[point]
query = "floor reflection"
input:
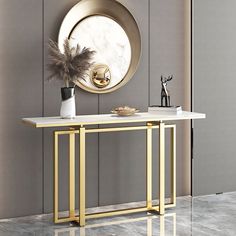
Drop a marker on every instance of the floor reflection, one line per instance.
(206, 215)
(113, 226)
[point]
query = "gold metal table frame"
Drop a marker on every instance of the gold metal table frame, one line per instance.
(82, 131)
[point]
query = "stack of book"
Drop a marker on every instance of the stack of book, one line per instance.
(172, 110)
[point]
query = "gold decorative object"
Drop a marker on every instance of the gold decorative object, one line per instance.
(125, 111)
(100, 75)
(110, 29)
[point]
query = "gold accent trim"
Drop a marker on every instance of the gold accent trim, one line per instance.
(91, 123)
(117, 12)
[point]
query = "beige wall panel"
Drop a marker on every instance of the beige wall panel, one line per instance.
(214, 94)
(20, 96)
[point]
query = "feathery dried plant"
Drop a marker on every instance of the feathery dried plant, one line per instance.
(71, 65)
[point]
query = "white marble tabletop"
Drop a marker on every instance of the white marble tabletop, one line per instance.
(41, 122)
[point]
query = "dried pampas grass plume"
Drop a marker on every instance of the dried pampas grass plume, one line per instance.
(71, 65)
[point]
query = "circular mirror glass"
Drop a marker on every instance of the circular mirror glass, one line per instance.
(113, 50)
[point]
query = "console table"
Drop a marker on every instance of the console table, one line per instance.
(80, 126)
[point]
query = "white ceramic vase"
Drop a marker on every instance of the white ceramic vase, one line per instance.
(68, 110)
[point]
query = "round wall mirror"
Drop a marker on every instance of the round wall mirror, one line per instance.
(107, 27)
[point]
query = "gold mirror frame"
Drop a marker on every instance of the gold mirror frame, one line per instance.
(117, 12)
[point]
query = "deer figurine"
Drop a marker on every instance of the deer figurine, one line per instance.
(164, 91)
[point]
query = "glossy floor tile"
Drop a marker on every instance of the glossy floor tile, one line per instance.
(208, 215)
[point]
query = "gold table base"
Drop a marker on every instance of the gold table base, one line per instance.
(82, 131)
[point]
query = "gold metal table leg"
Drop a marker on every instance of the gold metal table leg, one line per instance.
(72, 175)
(82, 178)
(173, 165)
(55, 182)
(162, 169)
(149, 167)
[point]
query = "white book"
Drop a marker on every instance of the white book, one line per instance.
(165, 110)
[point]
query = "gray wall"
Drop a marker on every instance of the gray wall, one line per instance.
(21, 169)
(214, 93)
(115, 162)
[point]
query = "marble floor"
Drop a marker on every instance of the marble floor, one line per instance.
(207, 215)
